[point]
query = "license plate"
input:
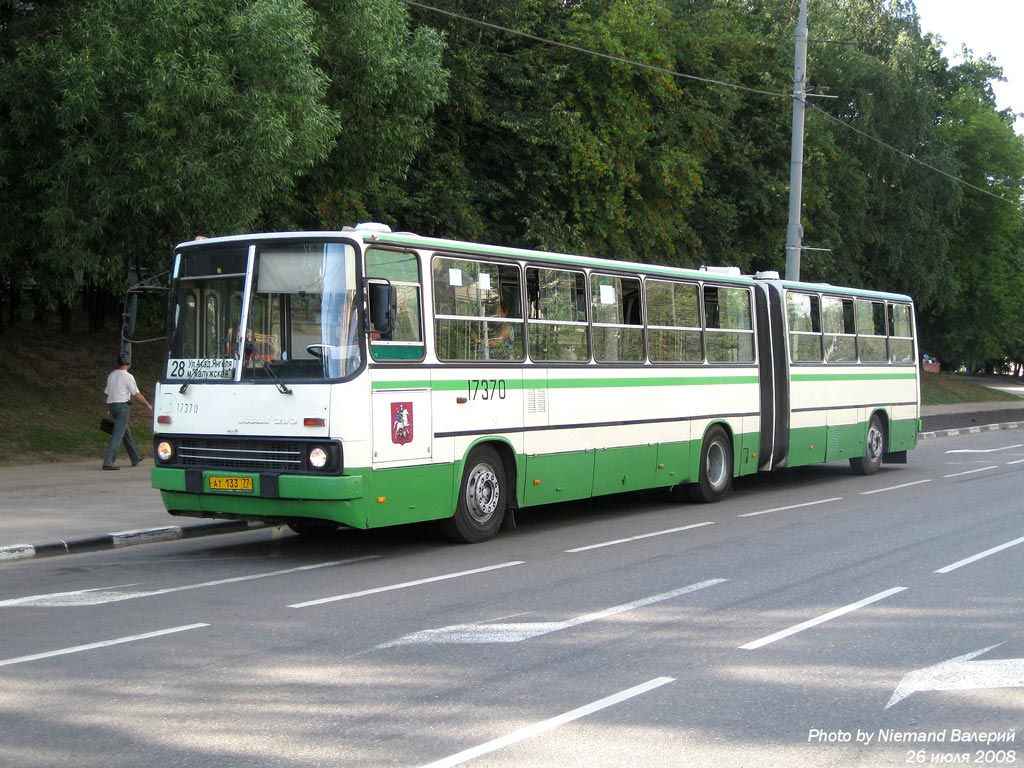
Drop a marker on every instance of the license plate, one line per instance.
(231, 484)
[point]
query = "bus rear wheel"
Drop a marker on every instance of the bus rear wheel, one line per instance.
(483, 497)
(874, 449)
(714, 478)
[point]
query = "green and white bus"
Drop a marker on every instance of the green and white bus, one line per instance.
(369, 378)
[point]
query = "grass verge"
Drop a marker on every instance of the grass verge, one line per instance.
(952, 388)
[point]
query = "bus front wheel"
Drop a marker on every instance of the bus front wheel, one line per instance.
(714, 478)
(874, 449)
(483, 497)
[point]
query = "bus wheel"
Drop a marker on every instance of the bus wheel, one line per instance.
(482, 499)
(715, 475)
(874, 447)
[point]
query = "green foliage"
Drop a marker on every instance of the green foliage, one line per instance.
(984, 320)
(493, 157)
(385, 79)
(138, 124)
(635, 140)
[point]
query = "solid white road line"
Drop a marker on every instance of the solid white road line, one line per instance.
(391, 587)
(103, 644)
(792, 506)
(894, 487)
(987, 450)
(820, 619)
(980, 555)
(971, 471)
(547, 725)
(637, 538)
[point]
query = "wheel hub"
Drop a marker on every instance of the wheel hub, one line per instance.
(482, 494)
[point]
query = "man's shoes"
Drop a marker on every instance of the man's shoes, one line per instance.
(136, 463)
(110, 466)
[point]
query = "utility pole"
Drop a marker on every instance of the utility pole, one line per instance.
(794, 231)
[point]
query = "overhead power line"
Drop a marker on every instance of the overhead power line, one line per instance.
(708, 80)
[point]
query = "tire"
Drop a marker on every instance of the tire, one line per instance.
(483, 498)
(313, 529)
(874, 449)
(714, 478)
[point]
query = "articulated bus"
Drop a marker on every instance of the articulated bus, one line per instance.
(368, 378)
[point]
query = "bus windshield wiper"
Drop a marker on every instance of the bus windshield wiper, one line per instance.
(281, 386)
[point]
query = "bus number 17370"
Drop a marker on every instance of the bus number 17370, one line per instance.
(485, 389)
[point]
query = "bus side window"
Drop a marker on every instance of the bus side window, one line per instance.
(615, 310)
(673, 322)
(556, 331)
(477, 310)
(839, 329)
(729, 324)
(871, 334)
(804, 327)
(404, 340)
(901, 334)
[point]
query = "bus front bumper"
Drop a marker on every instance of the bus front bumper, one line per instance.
(256, 496)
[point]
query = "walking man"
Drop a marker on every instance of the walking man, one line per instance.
(121, 389)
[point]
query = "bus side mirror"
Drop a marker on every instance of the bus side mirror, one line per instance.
(383, 307)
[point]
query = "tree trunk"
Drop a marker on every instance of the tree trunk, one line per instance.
(97, 307)
(65, 318)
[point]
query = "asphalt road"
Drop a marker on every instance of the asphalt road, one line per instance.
(814, 618)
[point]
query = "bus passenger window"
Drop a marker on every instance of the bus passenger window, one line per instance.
(556, 331)
(477, 310)
(804, 327)
(673, 322)
(614, 306)
(840, 330)
(901, 334)
(730, 330)
(871, 336)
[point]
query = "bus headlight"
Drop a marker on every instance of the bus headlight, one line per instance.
(318, 458)
(165, 451)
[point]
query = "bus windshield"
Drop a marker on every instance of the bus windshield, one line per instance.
(297, 318)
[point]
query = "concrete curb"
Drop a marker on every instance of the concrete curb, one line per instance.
(970, 430)
(120, 539)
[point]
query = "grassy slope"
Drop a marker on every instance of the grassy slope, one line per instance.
(51, 391)
(944, 389)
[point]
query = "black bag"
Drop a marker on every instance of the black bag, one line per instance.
(107, 425)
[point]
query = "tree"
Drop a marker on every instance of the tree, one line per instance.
(138, 124)
(493, 156)
(982, 323)
(385, 78)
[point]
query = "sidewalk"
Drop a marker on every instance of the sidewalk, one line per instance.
(49, 509)
(70, 507)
